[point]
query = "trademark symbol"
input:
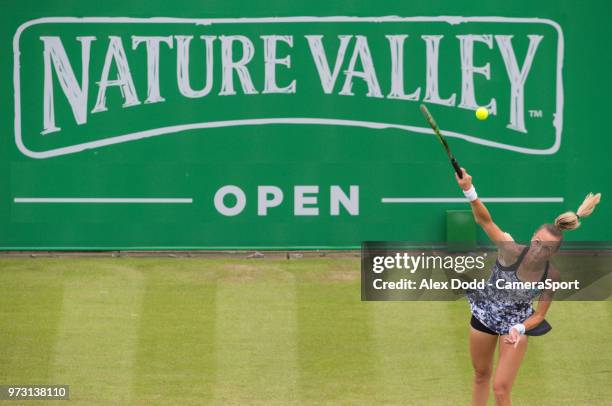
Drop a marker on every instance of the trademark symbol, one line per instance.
(535, 113)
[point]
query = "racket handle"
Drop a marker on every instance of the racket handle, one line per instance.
(457, 168)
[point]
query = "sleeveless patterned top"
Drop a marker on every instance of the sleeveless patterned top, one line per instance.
(500, 309)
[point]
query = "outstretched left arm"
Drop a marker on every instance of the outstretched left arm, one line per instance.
(544, 303)
(538, 316)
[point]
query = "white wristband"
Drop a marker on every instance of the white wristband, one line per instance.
(471, 194)
(520, 328)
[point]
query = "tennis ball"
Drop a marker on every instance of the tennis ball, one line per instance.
(482, 113)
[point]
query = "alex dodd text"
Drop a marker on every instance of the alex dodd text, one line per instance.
(459, 264)
(454, 283)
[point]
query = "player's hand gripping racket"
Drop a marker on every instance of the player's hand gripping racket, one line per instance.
(434, 126)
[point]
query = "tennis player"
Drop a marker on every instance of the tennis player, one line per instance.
(505, 318)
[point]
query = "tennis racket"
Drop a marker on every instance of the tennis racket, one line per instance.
(436, 130)
(539, 330)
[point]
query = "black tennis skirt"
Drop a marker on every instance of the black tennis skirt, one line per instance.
(538, 330)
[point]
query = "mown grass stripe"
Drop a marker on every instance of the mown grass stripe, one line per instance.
(97, 336)
(420, 345)
(335, 343)
(31, 294)
(256, 336)
(175, 362)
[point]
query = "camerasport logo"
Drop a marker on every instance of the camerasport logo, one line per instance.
(85, 83)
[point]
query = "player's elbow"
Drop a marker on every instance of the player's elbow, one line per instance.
(483, 222)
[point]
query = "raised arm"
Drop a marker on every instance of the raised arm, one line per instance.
(508, 250)
(481, 214)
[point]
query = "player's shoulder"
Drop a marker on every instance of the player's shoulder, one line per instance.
(509, 252)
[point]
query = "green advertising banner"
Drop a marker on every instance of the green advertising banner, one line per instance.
(224, 125)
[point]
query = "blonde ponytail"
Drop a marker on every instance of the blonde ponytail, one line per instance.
(570, 220)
